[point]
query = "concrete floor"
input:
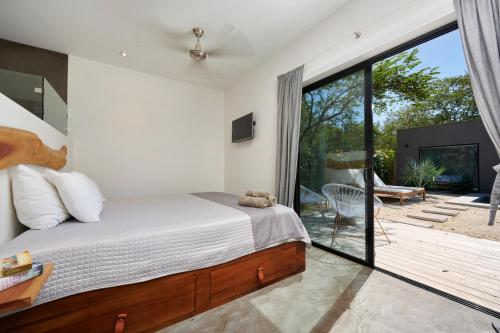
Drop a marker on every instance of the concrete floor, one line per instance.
(336, 295)
(350, 234)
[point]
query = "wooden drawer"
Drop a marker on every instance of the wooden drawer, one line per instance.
(229, 282)
(152, 305)
(148, 307)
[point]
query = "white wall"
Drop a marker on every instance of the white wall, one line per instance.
(141, 135)
(15, 116)
(327, 48)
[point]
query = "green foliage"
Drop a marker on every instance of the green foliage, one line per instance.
(331, 121)
(397, 79)
(383, 164)
(405, 92)
(451, 101)
(444, 101)
(311, 161)
(411, 96)
(422, 173)
(336, 104)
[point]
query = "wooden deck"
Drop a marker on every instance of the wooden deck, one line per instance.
(459, 265)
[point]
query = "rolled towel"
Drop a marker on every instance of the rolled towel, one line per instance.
(253, 202)
(257, 194)
(272, 200)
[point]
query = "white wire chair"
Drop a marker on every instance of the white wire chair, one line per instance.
(349, 202)
(308, 196)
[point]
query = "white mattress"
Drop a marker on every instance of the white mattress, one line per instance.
(137, 240)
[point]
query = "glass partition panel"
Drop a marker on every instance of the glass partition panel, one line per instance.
(332, 165)
(24, 89)
(35, 94)
(54, 107)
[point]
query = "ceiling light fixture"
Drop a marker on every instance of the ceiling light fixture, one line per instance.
(123, 53)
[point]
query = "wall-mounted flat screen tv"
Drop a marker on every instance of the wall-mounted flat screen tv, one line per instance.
(243, 128)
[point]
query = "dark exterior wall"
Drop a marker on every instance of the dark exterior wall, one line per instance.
(470, 132)
(33, 60)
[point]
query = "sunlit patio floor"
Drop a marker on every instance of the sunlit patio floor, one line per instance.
(457, 264)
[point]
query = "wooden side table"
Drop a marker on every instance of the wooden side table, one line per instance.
(24, 294)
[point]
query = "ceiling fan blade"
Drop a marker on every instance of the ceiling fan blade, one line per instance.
(217, 39)
(236, 45)
(151, 33)
(202, 70)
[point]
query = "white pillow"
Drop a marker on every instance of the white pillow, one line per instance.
(37, 203)
(80, 194)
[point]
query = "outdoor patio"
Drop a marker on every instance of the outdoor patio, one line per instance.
(460, 256)
(459, 265)
(469, 222)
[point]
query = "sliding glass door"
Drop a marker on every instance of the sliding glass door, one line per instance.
(421, 95)
(334, 165)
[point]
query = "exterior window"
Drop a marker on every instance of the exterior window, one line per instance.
(460, 163)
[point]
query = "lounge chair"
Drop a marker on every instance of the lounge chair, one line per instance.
(355, 177)
(394, 191)
(349, 202)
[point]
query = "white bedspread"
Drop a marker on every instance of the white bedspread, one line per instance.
(137, 240)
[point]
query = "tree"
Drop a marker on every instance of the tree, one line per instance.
(332, 117)
(405, 92)
(328, 105)
(451, 101)
(397, 80)
(394, 80)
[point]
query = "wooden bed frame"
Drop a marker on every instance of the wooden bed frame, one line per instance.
(155, 304)
(145, 306)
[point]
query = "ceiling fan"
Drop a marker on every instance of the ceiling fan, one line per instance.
(225, 44)
(198, 54)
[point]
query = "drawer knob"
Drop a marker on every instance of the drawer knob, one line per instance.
(260, 274)
(120, 323)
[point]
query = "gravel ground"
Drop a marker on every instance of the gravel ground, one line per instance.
(472, 222)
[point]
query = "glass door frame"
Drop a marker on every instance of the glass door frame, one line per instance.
(368, 175)
(369, 144)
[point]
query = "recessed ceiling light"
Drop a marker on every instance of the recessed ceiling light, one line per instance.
(123, 53)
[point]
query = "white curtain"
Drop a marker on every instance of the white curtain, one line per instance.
(479, 24)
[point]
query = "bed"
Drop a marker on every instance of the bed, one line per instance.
(155, 261)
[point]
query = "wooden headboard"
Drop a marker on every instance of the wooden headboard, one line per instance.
(24, 147)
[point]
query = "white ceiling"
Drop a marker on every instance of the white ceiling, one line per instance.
(100, 29)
